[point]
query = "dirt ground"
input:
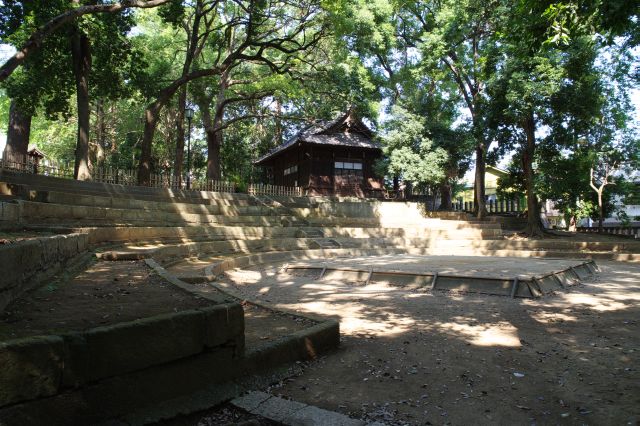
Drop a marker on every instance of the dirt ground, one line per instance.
(418, 358)
(105, 293)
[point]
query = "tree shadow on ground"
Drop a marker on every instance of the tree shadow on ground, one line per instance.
(416, 357)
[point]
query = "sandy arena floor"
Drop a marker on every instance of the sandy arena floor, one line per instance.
(414, 357)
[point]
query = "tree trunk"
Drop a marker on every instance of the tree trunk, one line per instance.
(214, 139)
(534, 224)
(81, 68)
(445, 197)
(481, 206)
(278, 123)
(18, 132)
(214, 142)
(182, 96)
(101, 132)
(151, 116)
(600, 211)
(214, 132)
(180, 135)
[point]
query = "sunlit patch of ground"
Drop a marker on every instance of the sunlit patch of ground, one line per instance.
(412, 357)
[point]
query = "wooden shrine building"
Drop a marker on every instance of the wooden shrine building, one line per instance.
(328, 158)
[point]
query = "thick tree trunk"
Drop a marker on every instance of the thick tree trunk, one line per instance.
(534, 224)
(151, 116)
(81, 57)
(445, 197)
(18, 132)
(214, 138)
(214, 143)
(214, 132)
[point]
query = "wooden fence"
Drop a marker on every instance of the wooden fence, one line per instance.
(628, 231)
(265, 189)
(27, 164)
(213, 186)
(493, 206)
(31, 165)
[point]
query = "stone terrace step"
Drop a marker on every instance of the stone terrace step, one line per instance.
(40, 191)
(171, 207)
(48, 183)
(164, 234)
(148, 234)
(398, 223)
(418, 237)
(168, 249)
(42, 213)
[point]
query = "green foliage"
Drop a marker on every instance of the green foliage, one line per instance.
(410, 152)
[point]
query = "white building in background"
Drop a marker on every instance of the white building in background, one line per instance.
(629, 205)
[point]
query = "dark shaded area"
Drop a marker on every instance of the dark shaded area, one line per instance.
(106, 293)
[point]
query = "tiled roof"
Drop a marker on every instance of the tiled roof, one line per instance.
(327, 133)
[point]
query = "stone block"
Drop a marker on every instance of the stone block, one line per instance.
(112, 350)
(31, 368)
(110, 400)
(225, 325)
(49, 253)
(9, 212)
(79, 212)
(112, 214)
(9, 265)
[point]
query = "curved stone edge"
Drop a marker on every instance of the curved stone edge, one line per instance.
(233, 295)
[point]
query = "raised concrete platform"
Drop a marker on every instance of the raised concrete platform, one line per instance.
(515, 277)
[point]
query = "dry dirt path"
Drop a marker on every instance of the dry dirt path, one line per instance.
(412, 357)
